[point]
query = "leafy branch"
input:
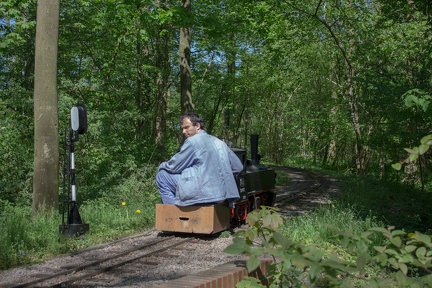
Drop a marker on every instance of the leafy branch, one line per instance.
(420, 100)
(415, 152)
(407, 259)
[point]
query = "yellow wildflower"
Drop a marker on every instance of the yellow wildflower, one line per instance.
(138, 211)
(123, 203)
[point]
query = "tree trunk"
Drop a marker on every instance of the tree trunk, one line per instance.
(358, 147)
(185, 70)
(46, 146)
(163, 65)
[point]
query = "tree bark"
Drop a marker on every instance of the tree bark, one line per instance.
(163, 65)
(46, 146)
(185, 70)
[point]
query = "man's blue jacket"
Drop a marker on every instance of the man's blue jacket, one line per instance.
(207, 166)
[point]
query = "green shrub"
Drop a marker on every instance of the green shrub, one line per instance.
(406, 261)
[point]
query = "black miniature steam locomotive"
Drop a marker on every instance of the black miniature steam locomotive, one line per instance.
(256, 184)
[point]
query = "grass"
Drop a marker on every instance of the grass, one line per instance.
(27, 239)
(363, 203)
(319, 226)
(403, 206)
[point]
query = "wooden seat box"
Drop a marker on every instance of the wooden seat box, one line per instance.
(208, 219)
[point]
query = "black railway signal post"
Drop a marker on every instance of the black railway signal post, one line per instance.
(72, 224)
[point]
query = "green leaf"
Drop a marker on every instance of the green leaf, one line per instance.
(382, 230)
(315, 269)
(250, 282)
(393, 262)
(380, 249)
(410, 151)
(286, 264)
(396, 241)
(362, 260)
(428, 280)
(239, 246)
(252, 263)
(397, 166)
(253, 217)
(410, 100)
(410, 248)
(421, 252)
(426, 239)
(272, 221)
(426, 140)
(397, 233)
(403, 267)
(413, 157)
(400, 277)
(391, 251)
(278, 252)
(281, 240)
(382, 259)
(423, 149)
(406, 258)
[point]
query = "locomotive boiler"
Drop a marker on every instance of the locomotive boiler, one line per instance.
(256, 184)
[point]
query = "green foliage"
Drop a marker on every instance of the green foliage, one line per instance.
(291, 259)
(16, 145)
(252, 61)
(406, 261)
(390, 202)
(24, 239)
(108, 220)
(16, 35)
(420, 100)
(127, 208)
(407, 258)
(415, 152)
(316, 228)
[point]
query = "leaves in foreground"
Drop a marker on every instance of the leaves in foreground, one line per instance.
(405, 259)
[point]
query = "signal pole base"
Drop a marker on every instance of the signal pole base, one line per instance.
(73, 229)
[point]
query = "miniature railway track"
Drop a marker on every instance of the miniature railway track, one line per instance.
(153, 258)
(306, 190)
(93, 268)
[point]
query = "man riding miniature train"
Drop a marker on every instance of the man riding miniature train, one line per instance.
(202, 172)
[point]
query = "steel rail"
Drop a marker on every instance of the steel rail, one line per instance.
(93, 263)
(116, 265)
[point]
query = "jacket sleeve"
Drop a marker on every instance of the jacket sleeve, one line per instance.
(181, 160)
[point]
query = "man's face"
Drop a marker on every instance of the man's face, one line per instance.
(188, 129)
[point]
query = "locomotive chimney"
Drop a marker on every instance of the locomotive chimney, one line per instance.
(254, 149)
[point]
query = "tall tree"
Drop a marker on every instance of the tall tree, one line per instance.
(46, 148)
(184, 53)
(162, 63)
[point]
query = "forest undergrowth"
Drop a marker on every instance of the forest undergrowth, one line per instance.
(363, 203)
